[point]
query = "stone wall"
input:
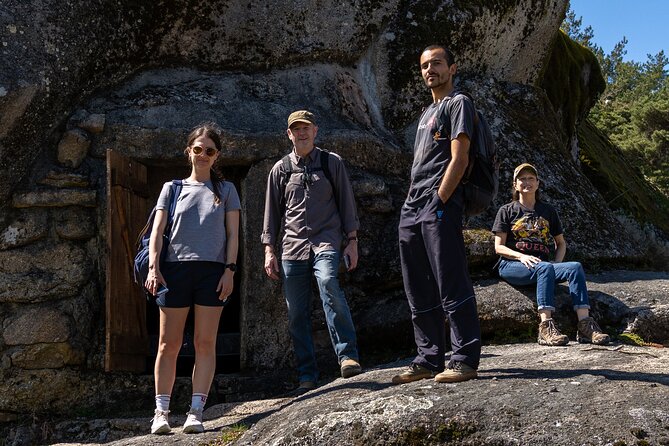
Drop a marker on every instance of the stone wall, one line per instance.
(50, 268)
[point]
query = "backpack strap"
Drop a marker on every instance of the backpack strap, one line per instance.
(468, 96)
(175, 191)
(325, 166)
(141, 262)
(145, 233)
(287, 170)
(327, 173)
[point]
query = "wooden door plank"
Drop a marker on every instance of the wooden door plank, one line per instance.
(127, 210)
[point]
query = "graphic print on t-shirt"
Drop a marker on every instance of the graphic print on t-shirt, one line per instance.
(532, 234)
(429, 124)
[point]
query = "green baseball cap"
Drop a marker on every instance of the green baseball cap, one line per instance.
(301, 116)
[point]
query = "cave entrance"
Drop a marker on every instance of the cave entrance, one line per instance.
(132, 322)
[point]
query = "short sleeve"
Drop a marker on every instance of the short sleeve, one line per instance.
(461, 111)
(164, 197)
(232, 202)
(502, 223)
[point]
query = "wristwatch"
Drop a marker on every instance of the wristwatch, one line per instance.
(231, 266)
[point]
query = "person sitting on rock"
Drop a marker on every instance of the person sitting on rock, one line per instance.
(524, 230)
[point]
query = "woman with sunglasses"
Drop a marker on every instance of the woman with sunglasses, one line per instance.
(198, 271)
(525, 230)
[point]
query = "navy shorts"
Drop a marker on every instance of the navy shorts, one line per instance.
(191, 283)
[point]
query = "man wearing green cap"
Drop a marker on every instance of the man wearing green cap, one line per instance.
(310, 193)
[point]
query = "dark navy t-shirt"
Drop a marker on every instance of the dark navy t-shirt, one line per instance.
(440, 123)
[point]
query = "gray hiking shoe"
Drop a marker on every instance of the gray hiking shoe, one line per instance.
(550, 335)
(589, 332)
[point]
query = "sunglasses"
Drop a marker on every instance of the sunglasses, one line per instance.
(209, 151)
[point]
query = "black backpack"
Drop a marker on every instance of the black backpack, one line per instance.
(287, 170)
(481, 179)
(141, 263)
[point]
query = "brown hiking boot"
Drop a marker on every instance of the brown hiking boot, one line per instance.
(305, 386)
(350, 367)
(458, 371)
(589, 332)
(550, 335)
(413, 373)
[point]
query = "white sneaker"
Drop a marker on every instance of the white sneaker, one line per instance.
(159, 424)
(193, 424)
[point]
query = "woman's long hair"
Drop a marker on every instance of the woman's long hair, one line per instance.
(212, 131)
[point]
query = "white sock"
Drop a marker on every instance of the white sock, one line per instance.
(198, 400)
(163, 402)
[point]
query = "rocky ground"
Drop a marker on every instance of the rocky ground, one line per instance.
(526, 394)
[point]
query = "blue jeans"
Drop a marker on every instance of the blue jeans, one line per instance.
(546, 275)
(297, 290)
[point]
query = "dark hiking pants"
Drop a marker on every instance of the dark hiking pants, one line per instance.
(437, 285)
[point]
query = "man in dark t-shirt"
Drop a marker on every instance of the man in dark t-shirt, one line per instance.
(432, 249)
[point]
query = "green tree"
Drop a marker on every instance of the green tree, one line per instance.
(572, 27)
(634, 108)
(651, 119)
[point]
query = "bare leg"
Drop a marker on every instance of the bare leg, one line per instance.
(206, 330)
(172, 321)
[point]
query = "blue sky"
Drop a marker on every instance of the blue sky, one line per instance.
(645, 23)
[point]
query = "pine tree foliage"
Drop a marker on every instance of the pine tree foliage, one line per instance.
(634, 108)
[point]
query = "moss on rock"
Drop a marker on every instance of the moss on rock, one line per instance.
(572, 80)
(621, 184)
(635, 339)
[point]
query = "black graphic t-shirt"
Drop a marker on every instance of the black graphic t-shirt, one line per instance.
(529, 231)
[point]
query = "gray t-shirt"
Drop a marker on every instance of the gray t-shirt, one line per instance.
(198, 231)
(440, 123)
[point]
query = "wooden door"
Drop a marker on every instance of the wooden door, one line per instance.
(127, 210)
